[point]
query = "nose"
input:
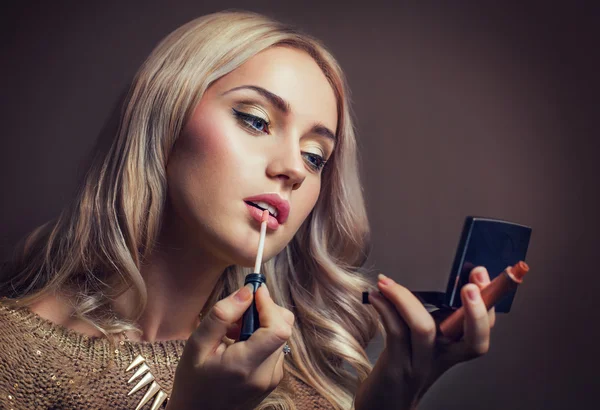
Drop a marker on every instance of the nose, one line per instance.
(286, 163)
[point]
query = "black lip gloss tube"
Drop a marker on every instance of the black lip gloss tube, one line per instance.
(250, 322)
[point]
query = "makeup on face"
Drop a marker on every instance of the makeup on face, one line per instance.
(278, 209)
(252, 113)
(240, 154)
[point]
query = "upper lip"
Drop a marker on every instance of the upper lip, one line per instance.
(282, 205)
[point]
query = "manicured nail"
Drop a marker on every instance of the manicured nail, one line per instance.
(245, 293)
(472, 294)
(384, 280)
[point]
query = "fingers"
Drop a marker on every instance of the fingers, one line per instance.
(477, 325)
(248, 370)
(278, 374)
(272, 317)
(396, 330)
(412, 330)
(233, 332)
(481, 278)
(476, 336)
(270, 372)
(419, 321)
(269, 312)
(258, 360)
(219, 321)
(276, 328)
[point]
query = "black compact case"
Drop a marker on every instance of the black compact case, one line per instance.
(492, 243)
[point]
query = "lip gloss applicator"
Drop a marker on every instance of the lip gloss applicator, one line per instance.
(250, 322)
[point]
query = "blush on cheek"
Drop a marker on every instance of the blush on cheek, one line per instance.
(212, 155)
(201, 138)
(217, 139)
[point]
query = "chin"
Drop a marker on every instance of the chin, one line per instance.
(248, 260)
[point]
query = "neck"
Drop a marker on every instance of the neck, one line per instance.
(179, 279)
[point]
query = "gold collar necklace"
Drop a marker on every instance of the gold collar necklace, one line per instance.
(155, 390)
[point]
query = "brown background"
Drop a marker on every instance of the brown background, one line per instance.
(461, 110)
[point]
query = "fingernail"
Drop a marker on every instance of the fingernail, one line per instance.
(245, 293)
(478, 276)
(472, 294)
(384, 280)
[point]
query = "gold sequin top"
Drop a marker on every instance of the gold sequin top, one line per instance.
(46, 366)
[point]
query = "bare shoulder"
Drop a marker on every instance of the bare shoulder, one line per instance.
(59, 310)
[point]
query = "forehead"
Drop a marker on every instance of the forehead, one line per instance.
(292, 75)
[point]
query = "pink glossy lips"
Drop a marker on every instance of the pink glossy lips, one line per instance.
(278, 208)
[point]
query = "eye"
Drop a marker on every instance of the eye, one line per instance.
(254, 123)
(315, 161)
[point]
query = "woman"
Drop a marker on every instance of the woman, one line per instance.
(140, 278)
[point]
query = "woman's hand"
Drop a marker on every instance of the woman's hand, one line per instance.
(213, 375)
(415, 354)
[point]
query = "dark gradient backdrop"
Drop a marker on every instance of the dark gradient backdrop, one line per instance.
(461, 109)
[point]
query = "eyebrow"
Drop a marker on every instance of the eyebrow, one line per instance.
(283, 106)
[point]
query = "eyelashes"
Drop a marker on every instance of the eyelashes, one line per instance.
(252, 121)
(315, 161)
(258, 125)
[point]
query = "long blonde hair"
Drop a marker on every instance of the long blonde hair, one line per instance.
(97, 244)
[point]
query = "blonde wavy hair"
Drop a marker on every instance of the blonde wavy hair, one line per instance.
(97, 244)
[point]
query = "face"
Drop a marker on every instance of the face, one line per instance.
(259, 138)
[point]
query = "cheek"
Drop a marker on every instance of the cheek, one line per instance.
(205, 141)
(209, 151)
(202, 168)
(306, 198)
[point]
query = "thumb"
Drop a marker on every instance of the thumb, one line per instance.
(222, 316)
